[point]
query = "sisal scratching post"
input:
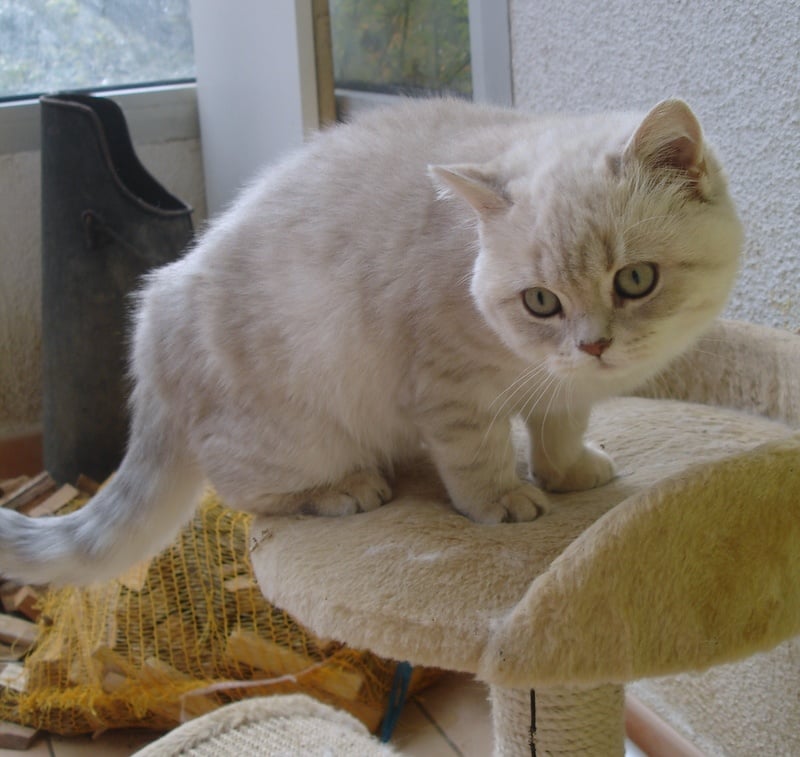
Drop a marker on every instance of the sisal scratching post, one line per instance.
(558, 721)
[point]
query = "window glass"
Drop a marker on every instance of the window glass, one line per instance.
(48, 45)
(402, 46)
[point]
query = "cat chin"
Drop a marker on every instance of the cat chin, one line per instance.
(599, 378)
(583, 368)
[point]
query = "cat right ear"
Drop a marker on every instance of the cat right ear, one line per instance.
(472, 183)
(669, 137)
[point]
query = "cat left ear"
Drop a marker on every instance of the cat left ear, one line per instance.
(471, 183)
(669, 137)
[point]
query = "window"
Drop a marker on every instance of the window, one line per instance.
(48, 45)
(402, 46)
(233, 52)
(446, 46)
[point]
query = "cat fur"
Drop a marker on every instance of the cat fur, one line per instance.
(363, 300)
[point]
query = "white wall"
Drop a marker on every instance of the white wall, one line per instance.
(176, 164)
(20, 293)
(736, 64)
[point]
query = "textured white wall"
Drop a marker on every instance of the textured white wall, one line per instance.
(177, 165)
(20, 293)
(736, 63)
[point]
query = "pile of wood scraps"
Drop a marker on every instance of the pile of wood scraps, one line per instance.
(34, 497)
(172, 638)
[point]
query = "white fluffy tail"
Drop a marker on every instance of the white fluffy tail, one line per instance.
(136, 515)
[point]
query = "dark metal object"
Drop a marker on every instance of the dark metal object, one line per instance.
(105, 222)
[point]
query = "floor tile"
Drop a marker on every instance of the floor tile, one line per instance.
(119, 743)
(452, 717)
(418, 736)
(39, 748)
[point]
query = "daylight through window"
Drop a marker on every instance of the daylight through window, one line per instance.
(402, 46)
(50, 45)
(396, 46)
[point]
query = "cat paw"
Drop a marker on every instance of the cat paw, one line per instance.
(358, 492)
(367, 488)
(592, 469)
(525, 502)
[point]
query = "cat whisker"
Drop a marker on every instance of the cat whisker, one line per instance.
(526, 375)
(553, 395)
(519, 384)
(537, 394)
(464, 280)
(570, 395)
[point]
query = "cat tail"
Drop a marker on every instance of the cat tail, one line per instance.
(136, 515)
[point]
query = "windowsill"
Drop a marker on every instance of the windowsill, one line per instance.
(154, 114)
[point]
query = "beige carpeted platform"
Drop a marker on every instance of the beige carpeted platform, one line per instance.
(693, 566)
(688, 559)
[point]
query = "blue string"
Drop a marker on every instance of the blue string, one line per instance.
(397, 698)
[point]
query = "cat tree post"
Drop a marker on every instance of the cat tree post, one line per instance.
(558, 721)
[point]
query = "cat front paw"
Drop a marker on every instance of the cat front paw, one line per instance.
(523, 503)
(593, 468)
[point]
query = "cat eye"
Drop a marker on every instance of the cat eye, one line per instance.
(636, 280)
(541, 302)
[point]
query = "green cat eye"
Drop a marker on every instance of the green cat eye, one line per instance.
(636, 280)
(541, 302)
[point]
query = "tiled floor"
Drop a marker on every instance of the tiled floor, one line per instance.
(450, 718)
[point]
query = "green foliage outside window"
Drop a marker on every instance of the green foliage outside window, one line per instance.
(46, 45)
(406, 46)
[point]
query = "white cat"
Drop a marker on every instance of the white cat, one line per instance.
(419, 277)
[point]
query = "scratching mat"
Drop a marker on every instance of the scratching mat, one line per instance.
(268, 726)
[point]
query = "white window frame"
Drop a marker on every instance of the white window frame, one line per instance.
(162, 113)
(243, 133)
(490, 61)
(490, 51)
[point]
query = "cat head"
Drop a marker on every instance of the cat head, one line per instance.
(606, 246)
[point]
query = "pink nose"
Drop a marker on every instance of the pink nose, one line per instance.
(595, 348)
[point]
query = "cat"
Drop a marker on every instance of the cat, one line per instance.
(416, 279)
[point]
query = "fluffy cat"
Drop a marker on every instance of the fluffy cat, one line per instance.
(419, 277)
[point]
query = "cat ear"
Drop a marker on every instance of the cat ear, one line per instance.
(473, 184)
(669, 137)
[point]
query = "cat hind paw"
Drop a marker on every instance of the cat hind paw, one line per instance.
(360, 491)
(367, 488)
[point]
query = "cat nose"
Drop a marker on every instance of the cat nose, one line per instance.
(595, 348)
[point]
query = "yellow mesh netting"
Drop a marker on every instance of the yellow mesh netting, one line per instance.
(180, 636)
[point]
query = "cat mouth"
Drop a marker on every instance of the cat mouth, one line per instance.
(585, 367)
(599, 374)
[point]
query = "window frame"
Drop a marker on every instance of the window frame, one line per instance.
(169, 112)
(154, 114)
(242, 134)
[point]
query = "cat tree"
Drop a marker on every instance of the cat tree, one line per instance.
(688, 559)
